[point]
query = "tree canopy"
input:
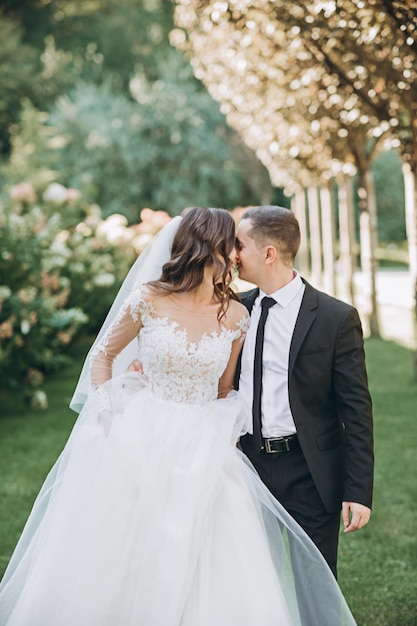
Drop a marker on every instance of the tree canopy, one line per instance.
(127, 121)
(330, 72)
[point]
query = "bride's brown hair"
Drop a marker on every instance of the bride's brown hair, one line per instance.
(205, 238)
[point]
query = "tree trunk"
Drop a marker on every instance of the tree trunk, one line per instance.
(368, 243)
(411, 226)
(347, 256)
(411, 218)
(315, 235)
(299, 209)
(328, 230)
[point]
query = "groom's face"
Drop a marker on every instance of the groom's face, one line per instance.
(250, 260)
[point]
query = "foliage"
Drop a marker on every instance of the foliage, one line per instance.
(91, 40)
(35, 321)
(316, 88)
(121, 151)
(33, 154)
(168, 149)
(18, 72)
(389, 187)
(60, 266)
(100, 154)
(308, 81)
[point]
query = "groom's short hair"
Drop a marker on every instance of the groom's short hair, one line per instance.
(277, 226)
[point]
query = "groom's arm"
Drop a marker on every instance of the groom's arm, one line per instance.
(355, 408)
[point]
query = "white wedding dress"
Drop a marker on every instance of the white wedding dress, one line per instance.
(152, 517)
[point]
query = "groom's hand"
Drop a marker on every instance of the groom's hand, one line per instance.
(354, 516)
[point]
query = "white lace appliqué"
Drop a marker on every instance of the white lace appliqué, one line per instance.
(183, 371)
(177, 369)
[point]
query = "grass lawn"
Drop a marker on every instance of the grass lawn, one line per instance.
(377, 566)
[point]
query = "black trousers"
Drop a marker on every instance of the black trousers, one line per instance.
(288, 478)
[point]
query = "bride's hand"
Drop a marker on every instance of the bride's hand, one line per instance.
(135, 366)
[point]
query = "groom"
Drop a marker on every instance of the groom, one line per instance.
(303, 381)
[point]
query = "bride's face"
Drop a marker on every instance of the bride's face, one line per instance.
(232, 258)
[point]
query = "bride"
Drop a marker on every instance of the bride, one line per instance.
(151, 516)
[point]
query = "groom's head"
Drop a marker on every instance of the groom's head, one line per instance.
(267, 238)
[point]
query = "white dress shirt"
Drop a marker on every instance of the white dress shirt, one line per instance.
(277, 420)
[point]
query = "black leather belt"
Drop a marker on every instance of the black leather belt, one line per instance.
(280, 444)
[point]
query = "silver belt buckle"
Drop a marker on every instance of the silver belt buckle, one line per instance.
(268, 445)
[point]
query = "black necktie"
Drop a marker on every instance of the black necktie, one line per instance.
(266, 303)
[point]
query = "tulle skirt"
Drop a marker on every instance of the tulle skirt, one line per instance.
(155, 518)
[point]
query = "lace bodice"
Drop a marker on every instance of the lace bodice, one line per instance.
(177, 369)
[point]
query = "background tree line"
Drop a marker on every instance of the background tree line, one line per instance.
(109, 107)
(127, 123)
(319, 90)
(100, 117)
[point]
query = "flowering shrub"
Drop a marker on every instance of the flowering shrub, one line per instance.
(96, 256)
(35, 321)
(58, 277)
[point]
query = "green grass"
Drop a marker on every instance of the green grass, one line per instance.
(377, 565)
(30, 443)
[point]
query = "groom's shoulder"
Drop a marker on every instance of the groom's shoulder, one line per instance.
(327, 301)
(247, 298)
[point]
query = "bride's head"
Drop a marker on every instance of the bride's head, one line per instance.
(205, 239)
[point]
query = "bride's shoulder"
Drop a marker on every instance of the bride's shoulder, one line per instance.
(237, 315)
(238, 309)
(141, 299)
(148, 293)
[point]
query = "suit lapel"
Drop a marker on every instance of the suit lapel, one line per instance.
(247, 298)
(306, 316)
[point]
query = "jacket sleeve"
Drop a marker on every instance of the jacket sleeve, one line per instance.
(355, 409)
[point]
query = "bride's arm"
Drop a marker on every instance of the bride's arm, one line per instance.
(228, 376)
(123, 330)
(226, 382)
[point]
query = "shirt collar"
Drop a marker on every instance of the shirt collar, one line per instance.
(286, 294)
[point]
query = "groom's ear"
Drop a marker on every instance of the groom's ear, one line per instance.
(270, 254)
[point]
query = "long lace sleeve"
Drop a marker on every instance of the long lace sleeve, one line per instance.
(123, 330)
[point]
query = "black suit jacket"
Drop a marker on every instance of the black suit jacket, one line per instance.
(329, 397)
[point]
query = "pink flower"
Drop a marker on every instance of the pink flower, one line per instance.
(6, 330)
(73, 195)
(23, 192)
(146, 215)
(152, 221)
(64, 338)
(161, 218)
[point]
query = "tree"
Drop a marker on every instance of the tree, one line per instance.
(18, 71)
(304, 125)
(168, 149)
(389, 188)
(128, 122)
